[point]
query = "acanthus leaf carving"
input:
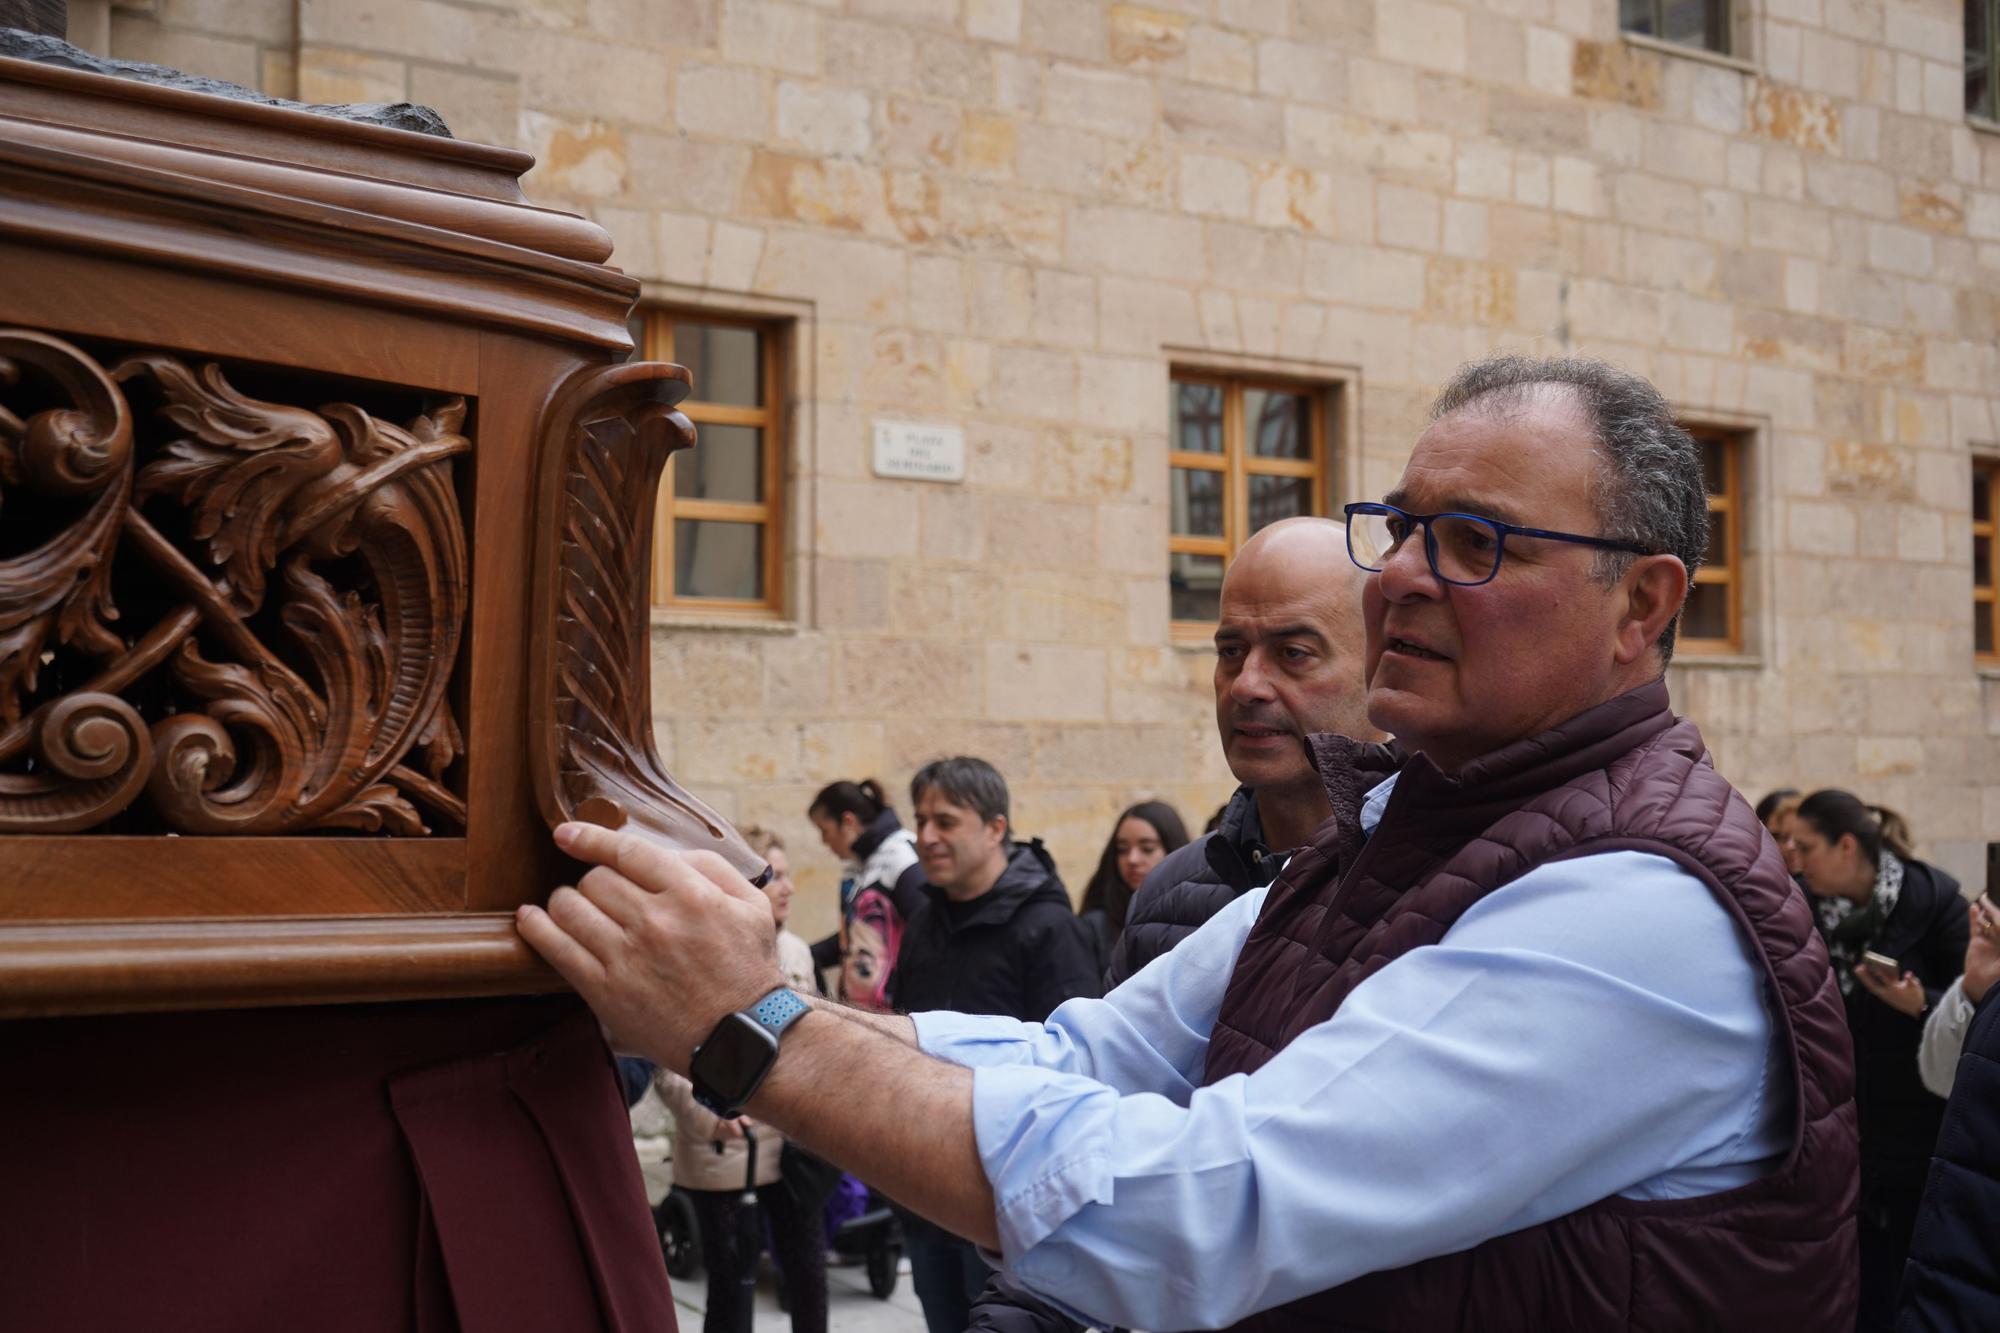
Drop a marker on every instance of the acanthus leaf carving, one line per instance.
(277, 498)
(592, 745)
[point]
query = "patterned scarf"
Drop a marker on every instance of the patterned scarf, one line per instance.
(1850, 927)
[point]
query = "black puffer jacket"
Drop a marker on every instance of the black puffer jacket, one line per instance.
(1018, 949)
(1899, 1116)
(1192, 884)
(1952, 1279)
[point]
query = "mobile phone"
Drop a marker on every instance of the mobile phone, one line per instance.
(1882, 963)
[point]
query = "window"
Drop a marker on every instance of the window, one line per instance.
(1243, 453)
(1985, 562)
(1980, 16)
(1699, 23)
(1712, 620)
(717, 543)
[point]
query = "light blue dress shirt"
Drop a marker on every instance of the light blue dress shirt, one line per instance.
(1599, 1026)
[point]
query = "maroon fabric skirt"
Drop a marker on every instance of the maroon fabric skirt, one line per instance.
(462, 1165)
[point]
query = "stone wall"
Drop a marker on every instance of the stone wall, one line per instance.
(1004, 213)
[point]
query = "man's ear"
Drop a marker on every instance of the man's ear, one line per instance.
(1656, 587)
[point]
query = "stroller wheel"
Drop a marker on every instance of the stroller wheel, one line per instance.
(680, 1235)
(883, 1261)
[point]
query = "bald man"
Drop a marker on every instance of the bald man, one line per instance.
(1288, 650)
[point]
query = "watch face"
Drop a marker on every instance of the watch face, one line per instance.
(734, 1060)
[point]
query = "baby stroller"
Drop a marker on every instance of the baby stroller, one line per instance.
(864, 1230)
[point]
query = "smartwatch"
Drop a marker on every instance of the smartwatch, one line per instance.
(729, 1067)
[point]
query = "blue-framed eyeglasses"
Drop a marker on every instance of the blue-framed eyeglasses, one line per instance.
(1463, 549)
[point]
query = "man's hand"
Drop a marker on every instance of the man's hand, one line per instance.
(1904, 994)
(662, 944)
(1982, 952)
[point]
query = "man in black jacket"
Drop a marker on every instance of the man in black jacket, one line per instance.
(997, 935)
(1288, 648)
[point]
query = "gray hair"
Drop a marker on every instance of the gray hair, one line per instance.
(1648, 489)
(966, 781)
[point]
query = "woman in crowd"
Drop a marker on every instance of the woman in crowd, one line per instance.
(1775, 812)
(1140, 840)
(1946, 1021)
(880, 890)
(712, 1163)
(1875, 900)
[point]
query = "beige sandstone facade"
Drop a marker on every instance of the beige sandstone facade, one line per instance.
(1015, 215)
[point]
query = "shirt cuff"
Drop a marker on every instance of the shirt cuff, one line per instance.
(1044, 1140)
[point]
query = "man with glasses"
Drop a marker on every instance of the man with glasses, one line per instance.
(1544, 1039)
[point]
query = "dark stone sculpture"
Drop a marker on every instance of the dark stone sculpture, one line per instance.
(47, 50)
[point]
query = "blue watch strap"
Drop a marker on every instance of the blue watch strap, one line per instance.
(777, 1011)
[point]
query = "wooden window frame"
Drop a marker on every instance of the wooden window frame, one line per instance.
(1236, 465)
(659, 324)
(1727, 508)
(1986, 600)
(1730, 19)
(1988, 110)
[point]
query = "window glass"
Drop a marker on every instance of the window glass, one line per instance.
(1982, 562)
(1982, 494)
(1197, 423)
(1706, 615)
(1277, 425)
(1195, 582)
(725, 361)
(1197, 502)
(726, 463)
(1273, 498)
(715, 559)
(1979, 58)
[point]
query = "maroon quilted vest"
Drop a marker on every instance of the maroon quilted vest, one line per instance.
(1775, 1255)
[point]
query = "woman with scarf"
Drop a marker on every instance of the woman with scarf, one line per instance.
(1873, 897)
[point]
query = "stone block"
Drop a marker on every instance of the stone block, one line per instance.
(1140, 316)
(849, 278)
(1106, 754)
(1065, 29)
(724, 101)
(1132, 539)
(1465, 229)
(1215, 186)
(997, 219)
(1617, 72)
(1028, 532)
(987, 145)
(1687, 153)
(994, 21)
(1065, 308)
(875, 56)
(926, 678)
(929, 13)
(1407, 218)
(1417, 32)
(1795, 117)
(1875, 472)
(478, 107)
(327, 75)
(1033, 382)
(1899, 249)
(1882, 354)
(1052, 607)
(954, 524)
(1219, 117)
(1357, 275)
(710, 750)
(1577, 187)
(688, 24)
(704, 174)
(1469, 293)
(1140, 174)
(945, 602)
(1930, 31)
(1801, 341)
(775, 36)
(798, 675)
(574, 158)
(912, 744)
(1299, 197)
(831, 122)
(1105, 101)
(1123, 393)
(1133, 241)
(1932, 205)
(1301, 72)
(870, 519)
(1147, 39)
(1218, 56)
(1045, 683)
(1531, 180)
(1801, 229)
(707, 673)
(1256, 259)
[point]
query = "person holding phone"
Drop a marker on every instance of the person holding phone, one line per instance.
(1897, 930)
(1945, 1024)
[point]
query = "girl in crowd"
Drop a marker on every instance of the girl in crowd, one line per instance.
(881, 889)
(712, 1162)
(1775, 812)
(1140, 840)
(1897, 931)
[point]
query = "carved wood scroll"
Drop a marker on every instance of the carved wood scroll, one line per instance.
(220, 614)
(594, 754)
